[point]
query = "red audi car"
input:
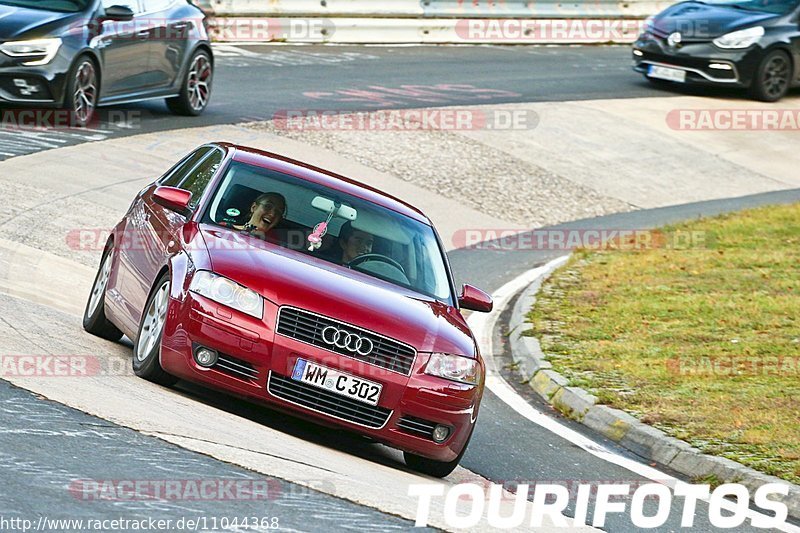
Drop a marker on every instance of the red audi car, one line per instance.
(280, 282)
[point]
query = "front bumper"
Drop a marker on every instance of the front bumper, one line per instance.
(257, 363)
(33, 85)
(703, 62)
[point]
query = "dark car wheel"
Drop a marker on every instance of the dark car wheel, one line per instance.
(94, 316)
(431, 467)
(147, 348)
(196, 88)
(772, 78)
(82, 91)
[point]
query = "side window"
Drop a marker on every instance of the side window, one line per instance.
(175, 177)
(200, 176)
(132, 4)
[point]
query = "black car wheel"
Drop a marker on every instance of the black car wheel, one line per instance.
(94, 317)
(82, 91)
(147, 348)
(196, 88)
(772, 78)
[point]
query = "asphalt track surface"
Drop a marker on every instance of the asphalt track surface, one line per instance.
(253, 83)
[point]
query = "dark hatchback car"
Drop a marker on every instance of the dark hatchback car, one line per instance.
(79, 54)
(752, 44)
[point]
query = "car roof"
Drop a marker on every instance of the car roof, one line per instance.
(305, 171)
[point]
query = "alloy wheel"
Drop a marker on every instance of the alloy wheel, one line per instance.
(199, 82)
(100, 285)
(153, 322)
(84, 97)
(776, 76)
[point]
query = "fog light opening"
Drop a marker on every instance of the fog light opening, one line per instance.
(440, 433)
(638, 53)
(205, 357)
(720, 66)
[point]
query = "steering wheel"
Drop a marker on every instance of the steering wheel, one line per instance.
(376, 257)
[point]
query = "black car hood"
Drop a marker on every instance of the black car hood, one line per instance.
(696, 21)
(18, 22)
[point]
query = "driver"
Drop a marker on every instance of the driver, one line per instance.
(354, 242)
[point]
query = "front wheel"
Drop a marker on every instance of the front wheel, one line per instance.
(147, 348)
(196, 89)
(82, 91)
(773, 77)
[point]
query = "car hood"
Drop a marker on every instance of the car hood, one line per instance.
(287, 277)
(17, 22)
(696, 21)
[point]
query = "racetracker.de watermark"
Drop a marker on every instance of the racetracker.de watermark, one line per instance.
(504, 240)
(63, 366)
(549, 31)
(63, 119)
(734, 119)
(208, 489)
(447, 119)
(243, 30)
(734, 366)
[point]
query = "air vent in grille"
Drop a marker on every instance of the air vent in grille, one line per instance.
(307, 327)
(417, 426)
(236, 368)
(327, 402)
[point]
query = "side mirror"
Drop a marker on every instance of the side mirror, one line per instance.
(119, 13)
(475, 299)
(173, 199)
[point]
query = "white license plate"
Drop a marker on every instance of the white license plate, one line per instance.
(666, 73)
(337, 382)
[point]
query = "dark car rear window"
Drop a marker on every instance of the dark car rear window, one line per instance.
(63, 6)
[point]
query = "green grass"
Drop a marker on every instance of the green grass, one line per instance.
(642, 330)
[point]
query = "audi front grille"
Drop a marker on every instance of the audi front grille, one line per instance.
(333, 335)
(327, 403)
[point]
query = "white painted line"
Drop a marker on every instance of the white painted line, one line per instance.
(483, 326)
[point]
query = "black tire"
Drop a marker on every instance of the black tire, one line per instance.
(196, 88)
(433, 468)
(147, 348)
(772, 78)
(94, 315)
(82, 91)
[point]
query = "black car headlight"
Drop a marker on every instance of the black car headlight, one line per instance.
(740, 39)
(34, 52)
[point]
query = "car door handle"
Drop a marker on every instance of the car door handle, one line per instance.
(143, 34)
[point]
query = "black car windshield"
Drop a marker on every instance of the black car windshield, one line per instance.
(778, 7)
(64, 6)
(360, 235)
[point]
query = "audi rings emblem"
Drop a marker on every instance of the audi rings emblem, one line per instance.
(347, 341)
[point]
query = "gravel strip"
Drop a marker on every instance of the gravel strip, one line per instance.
(460, 168)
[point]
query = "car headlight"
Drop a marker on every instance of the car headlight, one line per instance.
(40, 51)
(454, 367)
(741, 38)
(228, 293)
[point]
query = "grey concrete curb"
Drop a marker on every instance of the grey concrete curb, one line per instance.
(642, 439)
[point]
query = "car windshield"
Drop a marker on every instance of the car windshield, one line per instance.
(360, 235)
(64, 6)
(778, 7)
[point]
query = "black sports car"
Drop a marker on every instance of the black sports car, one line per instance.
(79, 54)
(754, 44)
